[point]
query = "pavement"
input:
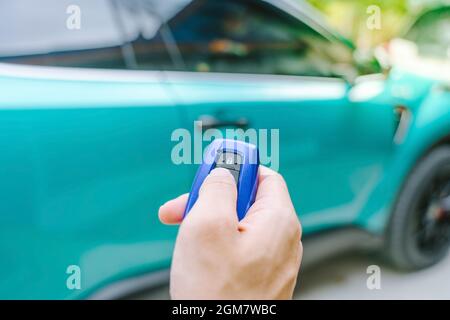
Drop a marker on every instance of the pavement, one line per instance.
(345, 277)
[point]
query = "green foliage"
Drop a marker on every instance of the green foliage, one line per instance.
(349, 17)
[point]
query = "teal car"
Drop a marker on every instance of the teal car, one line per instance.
(91, 94)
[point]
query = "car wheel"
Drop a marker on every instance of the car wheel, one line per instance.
(418, 234)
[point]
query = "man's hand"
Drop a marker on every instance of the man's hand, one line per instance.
(218, 257)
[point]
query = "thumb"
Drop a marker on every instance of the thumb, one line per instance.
(218, 195)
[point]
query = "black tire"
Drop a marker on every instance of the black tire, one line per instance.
(418, 234)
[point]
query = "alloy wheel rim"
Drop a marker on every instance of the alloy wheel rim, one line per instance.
(432, 227)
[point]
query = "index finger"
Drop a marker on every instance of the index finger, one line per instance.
(272, 189)
(272, 208)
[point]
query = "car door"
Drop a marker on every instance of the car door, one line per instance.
(255, 66)
(85, 153)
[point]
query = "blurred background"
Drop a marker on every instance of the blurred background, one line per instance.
(350, 18)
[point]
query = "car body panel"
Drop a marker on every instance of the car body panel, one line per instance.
(84, 166)
(428, 102)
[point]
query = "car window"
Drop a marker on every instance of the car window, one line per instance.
(38, 32)
(144, 25)
(193, 35)
(112, 33)
(431, 33)
(252, 37)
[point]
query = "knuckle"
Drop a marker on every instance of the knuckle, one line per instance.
(291, 223)
(292, 274)
(297, 233)
(296, 228)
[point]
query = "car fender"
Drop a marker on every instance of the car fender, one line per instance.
(428, 127)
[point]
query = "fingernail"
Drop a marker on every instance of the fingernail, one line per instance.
(220, 172)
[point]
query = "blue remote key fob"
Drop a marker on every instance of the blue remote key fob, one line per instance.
(241, 159)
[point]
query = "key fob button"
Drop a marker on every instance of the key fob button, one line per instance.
(231, 161)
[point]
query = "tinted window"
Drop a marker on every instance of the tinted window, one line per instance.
(112, 33)
(201, 35)
(252, 37)
(37, 33)
(145, 22)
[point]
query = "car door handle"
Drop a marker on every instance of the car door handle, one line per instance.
(209, 122)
